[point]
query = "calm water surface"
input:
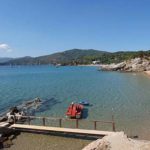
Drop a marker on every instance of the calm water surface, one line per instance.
(27, 141)
(125, 95)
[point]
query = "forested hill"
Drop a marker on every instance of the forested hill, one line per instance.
(4, 59)
(78, 56)
(69, 57)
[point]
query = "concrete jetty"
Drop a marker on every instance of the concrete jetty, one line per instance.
(61, 130)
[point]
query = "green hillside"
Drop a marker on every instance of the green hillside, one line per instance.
(78, 56)
(69, 57)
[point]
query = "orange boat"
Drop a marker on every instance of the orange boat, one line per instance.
(74, 111)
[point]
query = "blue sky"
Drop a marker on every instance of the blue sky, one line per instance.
(40, 27)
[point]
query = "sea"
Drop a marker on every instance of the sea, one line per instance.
(126, 96)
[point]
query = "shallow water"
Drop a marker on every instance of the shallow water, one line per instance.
(29, 141)
(125, 95)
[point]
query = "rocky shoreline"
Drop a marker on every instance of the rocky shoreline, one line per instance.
(133, 65)
(118, 141)
(12, 115)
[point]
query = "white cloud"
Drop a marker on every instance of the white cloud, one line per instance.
(5, 47)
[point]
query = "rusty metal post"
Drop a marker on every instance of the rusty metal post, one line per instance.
(60, 122)
(77, 123)
(113, 124)
(29, 120)
(43, 121)
(95, 125)
(14, 120)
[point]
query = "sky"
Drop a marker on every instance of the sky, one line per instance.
(41, 27)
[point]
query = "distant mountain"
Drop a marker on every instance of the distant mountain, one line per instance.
(27, 60)
(5, 59)
(69, 57)
(78, 56)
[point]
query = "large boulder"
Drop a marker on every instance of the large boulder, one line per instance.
(138, 68)
(148, 68)
(136, 61)
(118, 141)
(113, 67)
(133, 65)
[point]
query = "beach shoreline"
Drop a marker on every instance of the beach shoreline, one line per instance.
(147, 73)
(90, 65)
(99, 65)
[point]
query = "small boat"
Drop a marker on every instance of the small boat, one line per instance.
(58, 65)
(75, 111)
(85, 103)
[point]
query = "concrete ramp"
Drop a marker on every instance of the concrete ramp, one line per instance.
(4, 124)
(61, 130)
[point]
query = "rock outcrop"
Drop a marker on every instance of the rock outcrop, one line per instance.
(118, 141)
(133, 65)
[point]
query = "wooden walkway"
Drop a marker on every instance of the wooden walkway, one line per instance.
(60, 130)
(59, 127)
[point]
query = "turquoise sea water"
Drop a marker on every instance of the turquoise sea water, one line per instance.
(125, 95)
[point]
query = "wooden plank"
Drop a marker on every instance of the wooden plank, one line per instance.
(57, 129)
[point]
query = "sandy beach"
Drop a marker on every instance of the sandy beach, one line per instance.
(147, 72)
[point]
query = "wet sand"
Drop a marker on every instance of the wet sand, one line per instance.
(147, 72)
(30, 141)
